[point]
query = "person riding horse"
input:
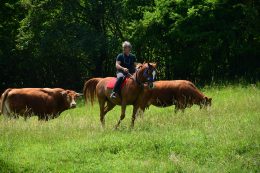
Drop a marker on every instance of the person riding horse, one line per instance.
(125, 64)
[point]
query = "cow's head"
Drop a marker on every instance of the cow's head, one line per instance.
(70, 97)
(206, 101)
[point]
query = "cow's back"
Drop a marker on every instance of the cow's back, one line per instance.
(39, 101)
(189, 92)
(169, 92)
(163, 94)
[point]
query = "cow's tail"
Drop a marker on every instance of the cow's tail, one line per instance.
(89, 89)
(3, 100)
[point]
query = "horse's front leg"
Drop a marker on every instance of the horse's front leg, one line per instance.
(135, 108)
(123, 108)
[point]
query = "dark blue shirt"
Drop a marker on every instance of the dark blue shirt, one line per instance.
(126, 62)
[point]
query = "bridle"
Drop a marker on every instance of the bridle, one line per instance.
(145, 74)
(149, 79)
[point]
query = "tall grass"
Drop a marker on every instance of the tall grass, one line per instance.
(224, 138)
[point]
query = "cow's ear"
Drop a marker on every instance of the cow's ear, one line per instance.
(208, 98)
(79, 94)
(63, 93)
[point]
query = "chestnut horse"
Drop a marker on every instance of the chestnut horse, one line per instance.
(129, 93)
(181, 93)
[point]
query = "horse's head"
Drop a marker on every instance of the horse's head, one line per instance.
(146, 72)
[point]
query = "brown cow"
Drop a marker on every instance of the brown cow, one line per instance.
(181, 93)
(43, 102)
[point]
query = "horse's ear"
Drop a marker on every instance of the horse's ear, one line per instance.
(150, 65)
(139, 65)
(154, 65)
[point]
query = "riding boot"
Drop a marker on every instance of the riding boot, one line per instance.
(117, 87)
(118, 84)
(120, 78)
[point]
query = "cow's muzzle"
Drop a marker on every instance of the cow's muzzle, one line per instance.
(73, 105)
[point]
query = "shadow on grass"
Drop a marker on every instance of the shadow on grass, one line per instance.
(6, 167)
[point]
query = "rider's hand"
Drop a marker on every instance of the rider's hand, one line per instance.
(125, 70)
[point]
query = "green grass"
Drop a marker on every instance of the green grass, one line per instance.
(224, 138)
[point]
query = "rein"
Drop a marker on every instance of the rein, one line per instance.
(135, 78)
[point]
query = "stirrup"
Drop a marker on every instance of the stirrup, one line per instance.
(113, 95)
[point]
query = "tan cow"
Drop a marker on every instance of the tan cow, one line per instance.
(45, 103)
(181, 93)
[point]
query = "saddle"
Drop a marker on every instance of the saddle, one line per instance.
(112, 82)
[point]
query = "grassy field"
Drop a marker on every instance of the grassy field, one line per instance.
(225, 138)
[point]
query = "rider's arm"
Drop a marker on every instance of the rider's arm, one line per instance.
(118, 66)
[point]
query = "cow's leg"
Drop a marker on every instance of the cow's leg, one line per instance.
(142, 105)
(135, 108)
(15, 115)
(182, 107)
(179, 106)
(123, 108)
(47, 117)
(25, 117)
(140, 113)
(39, 117)
(176, 108)
(102, 102)
(42, 117)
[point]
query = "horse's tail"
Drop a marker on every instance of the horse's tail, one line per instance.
(89, 89)
(2, 101)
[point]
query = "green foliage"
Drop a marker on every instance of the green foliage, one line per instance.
(224, 138)
(64, 42)
(201, 40)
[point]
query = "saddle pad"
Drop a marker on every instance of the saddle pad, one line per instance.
(112, 82)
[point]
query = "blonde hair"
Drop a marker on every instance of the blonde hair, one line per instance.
(126, 44)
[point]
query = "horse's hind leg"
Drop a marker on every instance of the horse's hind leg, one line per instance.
(102, 111)
(106, 109)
